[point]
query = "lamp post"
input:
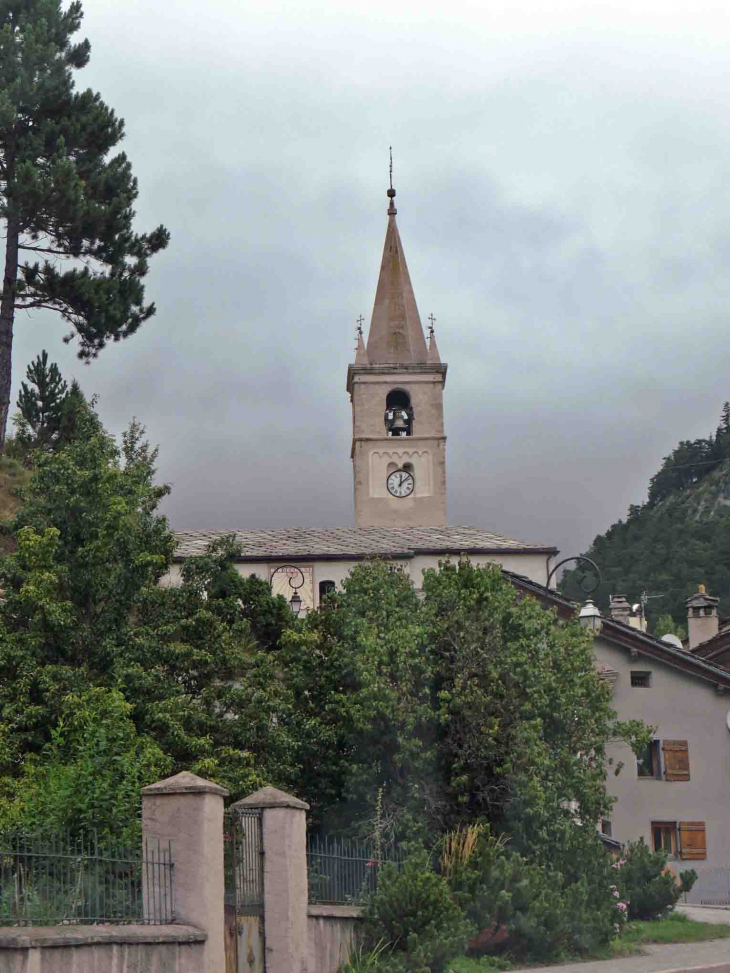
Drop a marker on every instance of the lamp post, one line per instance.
(590, 616)
(295, 602)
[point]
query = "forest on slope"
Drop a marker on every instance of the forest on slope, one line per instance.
(676, 540)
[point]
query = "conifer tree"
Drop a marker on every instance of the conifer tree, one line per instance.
(41, 402)
(61, 196)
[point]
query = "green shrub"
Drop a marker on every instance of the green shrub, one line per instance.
(643, 883)
(533, 911)
(414, 912)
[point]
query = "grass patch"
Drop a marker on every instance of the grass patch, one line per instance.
(468, 964)
(676, 928)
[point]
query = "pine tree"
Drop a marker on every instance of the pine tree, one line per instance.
(41, 402)
(60, 196)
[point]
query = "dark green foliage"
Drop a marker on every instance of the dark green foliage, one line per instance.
(83, 611)
(472, 703)
(678, 539)
(534, 911)
(61, 194)
(89, 775)
(41, 403)
(414, 912)
(645, 884)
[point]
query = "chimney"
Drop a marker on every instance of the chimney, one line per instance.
(620, 609)
(702, 620)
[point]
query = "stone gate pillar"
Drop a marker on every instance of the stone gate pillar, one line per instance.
(188, 810)
(283, 824)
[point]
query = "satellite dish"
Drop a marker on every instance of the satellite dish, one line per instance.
(672, 640)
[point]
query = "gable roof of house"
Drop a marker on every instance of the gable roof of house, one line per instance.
(716, 649)
(356, 543)
(631, 638)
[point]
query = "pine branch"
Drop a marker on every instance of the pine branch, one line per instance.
(60, 253)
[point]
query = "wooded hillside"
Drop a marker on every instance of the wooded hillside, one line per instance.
(679, 538)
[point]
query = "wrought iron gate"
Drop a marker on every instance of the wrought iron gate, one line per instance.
(244, 891)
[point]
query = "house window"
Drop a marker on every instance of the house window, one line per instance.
(641, 679)
(606, 827)
(664, 759)
(325, 588)
(649, 763)
(664, 837)
(686, 839)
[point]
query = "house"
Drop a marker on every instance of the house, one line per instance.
(676, 795)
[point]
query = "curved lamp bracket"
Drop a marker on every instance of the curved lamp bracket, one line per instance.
(585, 588)
(295, 602)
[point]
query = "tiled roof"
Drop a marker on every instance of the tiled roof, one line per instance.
(298, 542)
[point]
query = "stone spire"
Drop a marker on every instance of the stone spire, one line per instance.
(361, 356)
(396, 336)
(433, 349)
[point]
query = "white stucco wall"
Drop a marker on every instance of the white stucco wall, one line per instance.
(681, 707)
(532, 566)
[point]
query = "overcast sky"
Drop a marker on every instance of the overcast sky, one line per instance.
(563, 179)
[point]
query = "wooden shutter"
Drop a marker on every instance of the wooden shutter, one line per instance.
(676, 759)
(692, 839)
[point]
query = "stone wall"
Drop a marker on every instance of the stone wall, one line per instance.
(331, 935)
(123, 949)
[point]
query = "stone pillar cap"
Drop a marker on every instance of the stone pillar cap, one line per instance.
(185, 783)
(269, 797)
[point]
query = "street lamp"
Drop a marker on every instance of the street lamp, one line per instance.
(292, 572)
(590, 616)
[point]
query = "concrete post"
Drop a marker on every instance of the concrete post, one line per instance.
(284, 823)
(189, 811)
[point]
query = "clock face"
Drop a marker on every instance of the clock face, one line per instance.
(400, 483)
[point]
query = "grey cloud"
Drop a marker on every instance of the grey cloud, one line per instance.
(563, 205)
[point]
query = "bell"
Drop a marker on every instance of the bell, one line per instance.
(399, 422)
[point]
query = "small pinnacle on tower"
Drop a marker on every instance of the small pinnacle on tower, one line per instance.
(391, 192)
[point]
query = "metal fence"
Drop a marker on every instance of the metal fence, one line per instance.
(244, 859)
(711, 888)
(54, 879)
(342, 871)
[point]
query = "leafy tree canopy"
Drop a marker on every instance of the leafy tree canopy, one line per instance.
(472, 703)
(86, 627)
(62, 196)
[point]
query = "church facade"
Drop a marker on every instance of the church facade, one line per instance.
(396, 388)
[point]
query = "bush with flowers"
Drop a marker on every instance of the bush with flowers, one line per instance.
(644, 883)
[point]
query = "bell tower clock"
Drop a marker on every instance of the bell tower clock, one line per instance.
(396, 387)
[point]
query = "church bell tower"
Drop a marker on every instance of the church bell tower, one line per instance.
(396, 387)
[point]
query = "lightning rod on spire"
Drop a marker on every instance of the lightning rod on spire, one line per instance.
(391, 192)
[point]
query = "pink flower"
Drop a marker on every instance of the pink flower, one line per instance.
(616, 895)
(370, 863)
(616, 927)
(622, 906)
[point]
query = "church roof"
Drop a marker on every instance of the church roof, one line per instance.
(396, 335)
(356, 542)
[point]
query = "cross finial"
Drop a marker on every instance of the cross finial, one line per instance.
(359, 325)
(391, 192)
(432, 319)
